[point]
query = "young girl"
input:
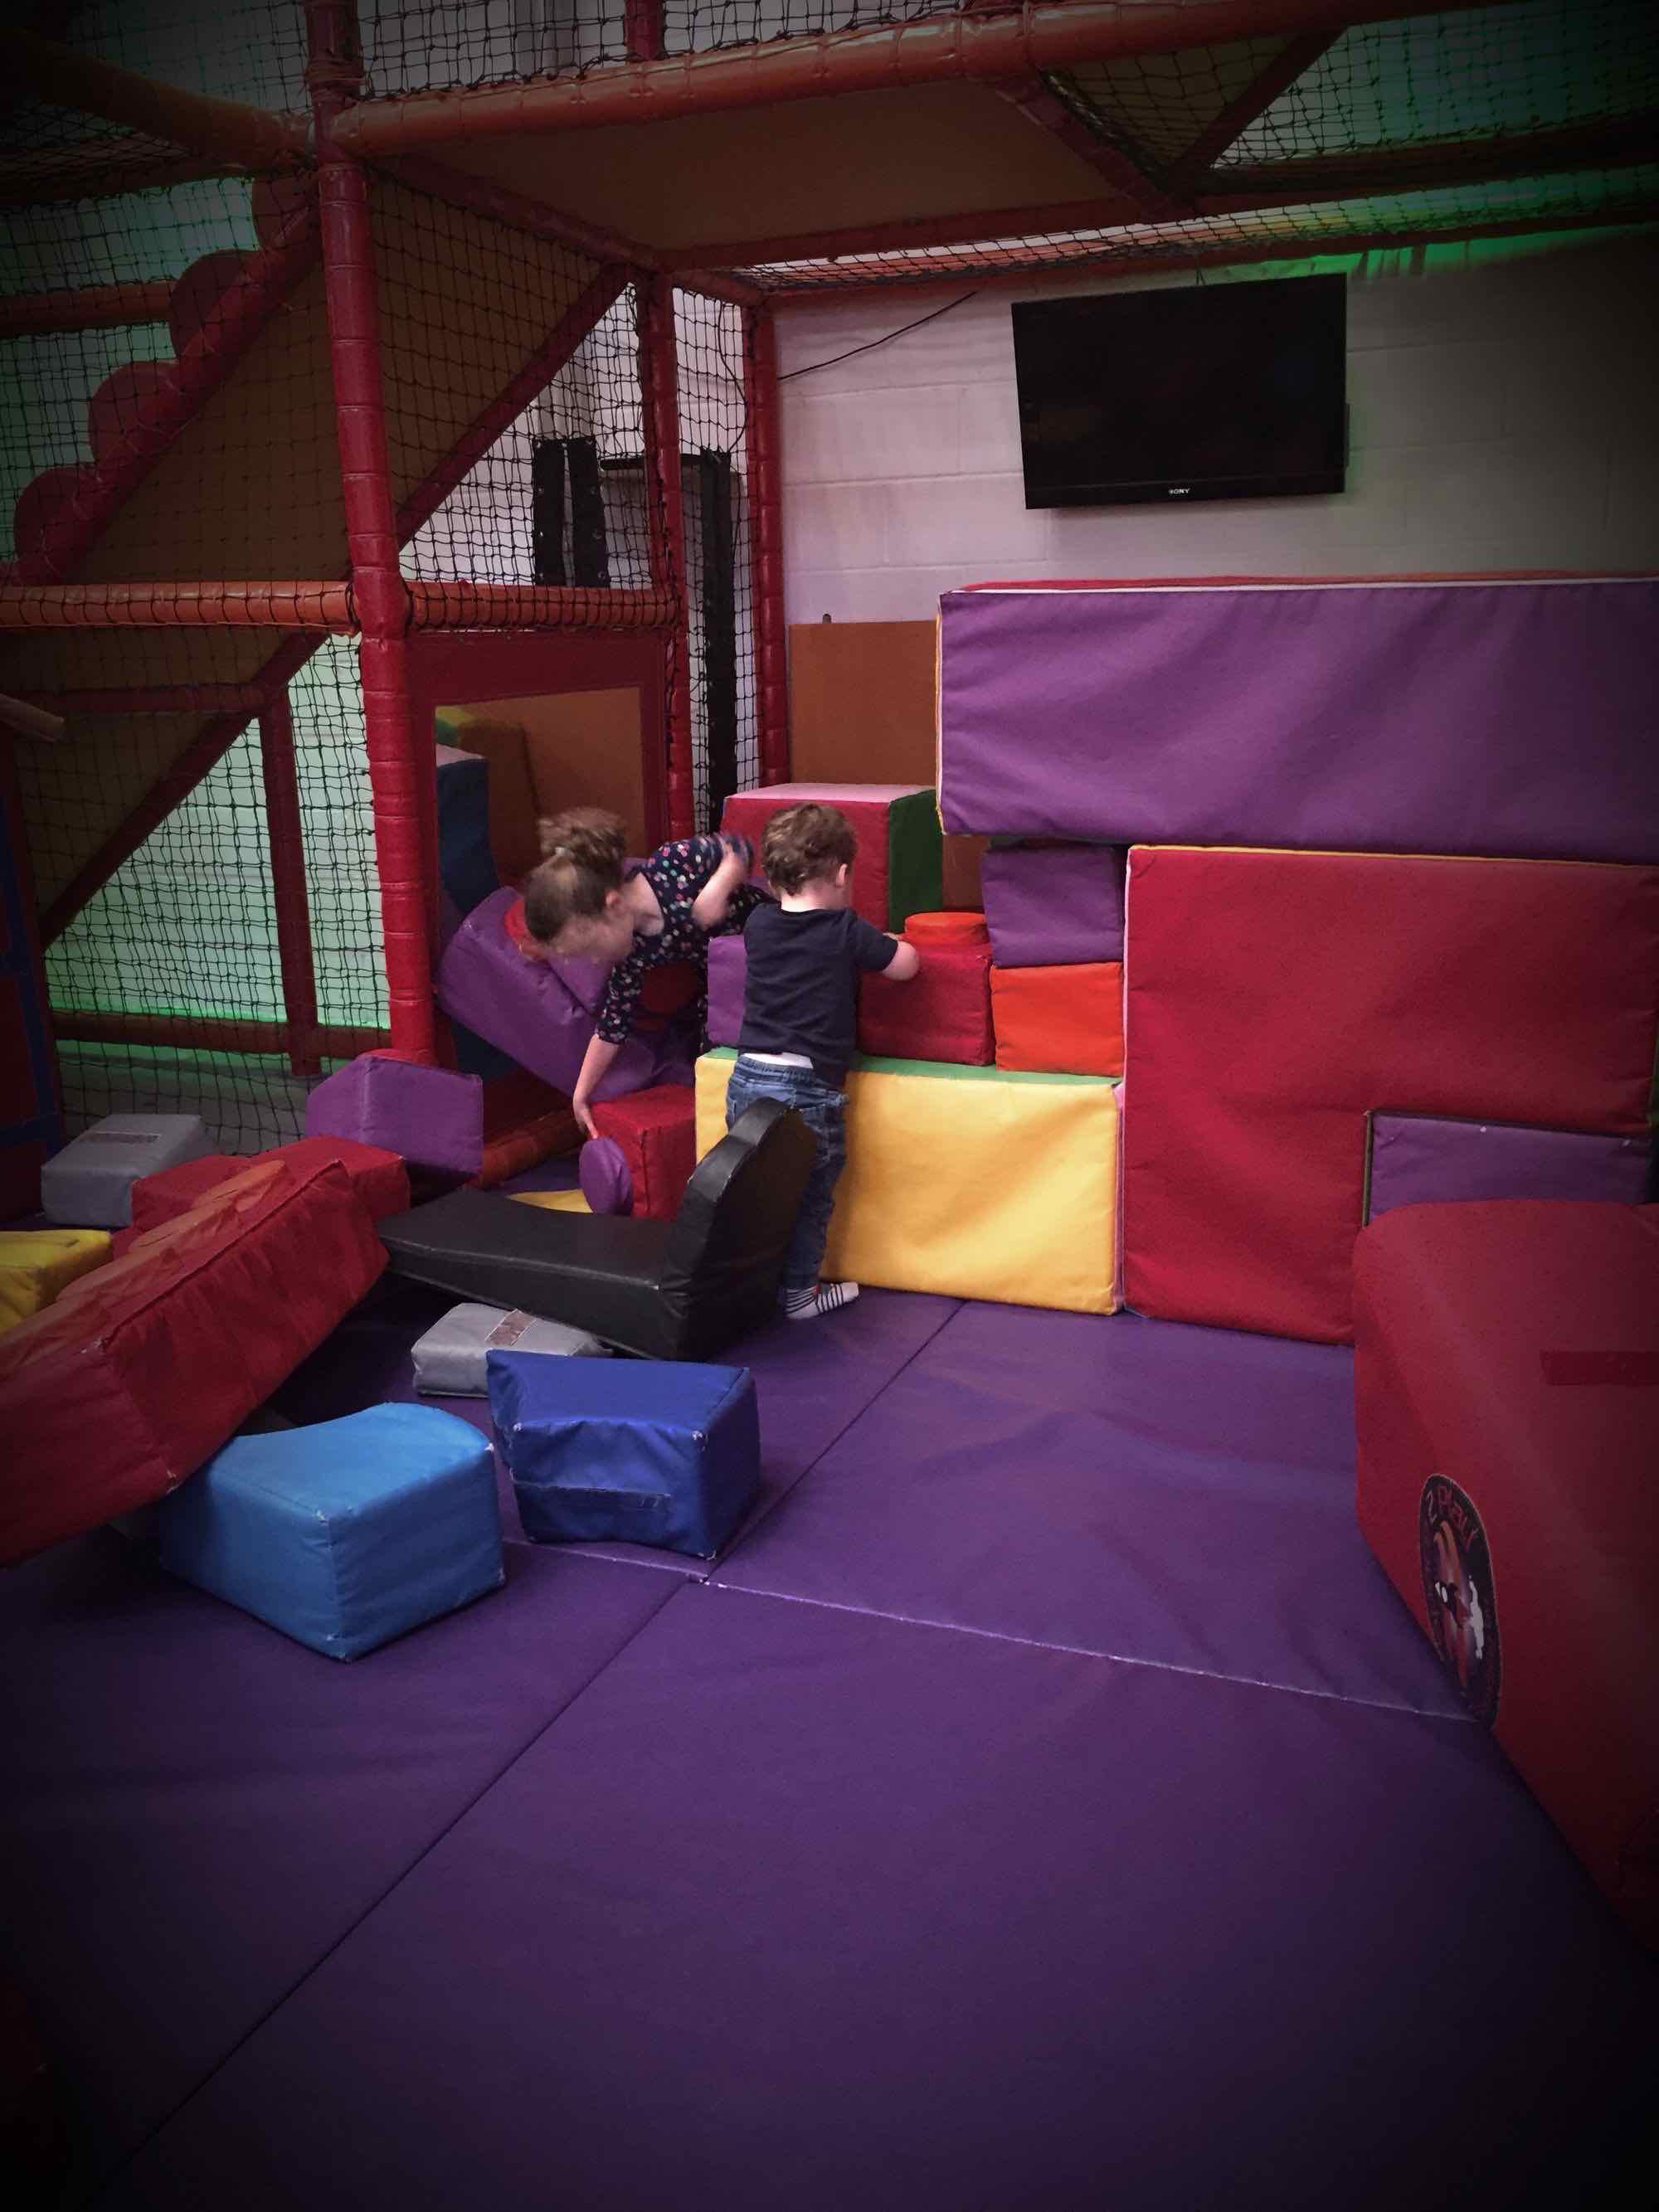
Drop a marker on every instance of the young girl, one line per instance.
(586, 902)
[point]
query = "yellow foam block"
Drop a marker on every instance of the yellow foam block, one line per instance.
(555, 1201)
(973, 1183)
(36, 1264)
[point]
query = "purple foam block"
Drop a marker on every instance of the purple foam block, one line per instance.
(602, 1170)
(432, 1116)
(888, 1916)
(728, 972)
(541, 1011)
(1416, 1158)
(1477, 717)
(1054, 905)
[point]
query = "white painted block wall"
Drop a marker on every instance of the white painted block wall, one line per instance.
(1502, 416)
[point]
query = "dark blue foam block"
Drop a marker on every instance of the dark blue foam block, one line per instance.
(194, 1809)
(344, 1533)
(804, 1908)
(1140, 1489)
(655, 1452)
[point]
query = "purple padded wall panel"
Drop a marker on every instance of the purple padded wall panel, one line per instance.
(1417, 1159)
(1477, 718)
(1054, 905)
(541, 1011)
(803, 1907)
(728, 973)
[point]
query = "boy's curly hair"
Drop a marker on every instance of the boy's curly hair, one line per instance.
(583, 851)
(807, 844)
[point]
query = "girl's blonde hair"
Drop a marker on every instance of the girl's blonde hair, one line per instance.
(583, 851)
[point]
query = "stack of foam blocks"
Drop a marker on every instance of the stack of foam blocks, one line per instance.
(1390, 940)
(974, 1171)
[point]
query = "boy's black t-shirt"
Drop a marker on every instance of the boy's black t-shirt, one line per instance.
(800, 994)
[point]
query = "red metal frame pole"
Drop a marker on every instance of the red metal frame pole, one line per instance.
(760, 393)
(286, 836)
(401, 775)
(659, 382)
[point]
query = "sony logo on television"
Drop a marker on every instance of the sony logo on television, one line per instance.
(1180, 491)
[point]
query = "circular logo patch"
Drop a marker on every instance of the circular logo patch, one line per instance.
(1457, 1588)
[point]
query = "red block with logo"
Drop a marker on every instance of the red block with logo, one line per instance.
(140, 1370)
(944, 1012)
(656, 1132)
(1274, 999)
(1506, 1393)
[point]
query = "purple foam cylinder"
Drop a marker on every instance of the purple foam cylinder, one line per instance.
(602, 1171)
(1054, 905)
(1503, 717)
(728, 972)
(1418, 1159)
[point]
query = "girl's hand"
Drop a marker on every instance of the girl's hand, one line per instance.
(582, 1109)
(713, 901)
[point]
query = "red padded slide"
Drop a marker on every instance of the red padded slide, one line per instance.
(140, 1370)
(1506, 1389)
(1274, 998)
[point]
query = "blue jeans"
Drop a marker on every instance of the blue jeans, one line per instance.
(824, 1110)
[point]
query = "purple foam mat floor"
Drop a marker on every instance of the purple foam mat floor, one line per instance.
(1138, 1489)
(809, 1908)
(196, 1809)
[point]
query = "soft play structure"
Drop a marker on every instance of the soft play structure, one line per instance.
(965, 1752)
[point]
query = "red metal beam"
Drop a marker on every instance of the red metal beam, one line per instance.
(659, 380)
(209, 746)
(1294, 58)
(216, 1033)
(453, 605)
(759, 393)
(1608, 145)
(240, 313)
(945, 273)
(298, 606)
(101, 169)
(404, 787)
(285, 838)
(253, 138)
(721, 284)
(586, 311)
(155, 699)
(1138, 198)
(96, 307)
(898, 237)
(515, 210)
(1050, 34)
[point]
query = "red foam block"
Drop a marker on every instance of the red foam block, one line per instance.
(1274, 998)
(656, 1130)
(141, 1370)
(1507, 1484)
(944, 1012)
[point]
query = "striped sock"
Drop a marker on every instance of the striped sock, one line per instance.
(824, 1297)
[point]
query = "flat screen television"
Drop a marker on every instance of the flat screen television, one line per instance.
(1231, 391)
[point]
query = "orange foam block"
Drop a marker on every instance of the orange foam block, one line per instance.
(1062, 1021)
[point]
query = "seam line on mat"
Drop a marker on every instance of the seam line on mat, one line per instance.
(99, 2190)
(1081, 1651)
(712, 1579)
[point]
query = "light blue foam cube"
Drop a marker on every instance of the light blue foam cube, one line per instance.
(345, 1534)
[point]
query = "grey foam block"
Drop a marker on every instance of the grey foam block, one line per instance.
(450, 1358)
(89, 1185)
